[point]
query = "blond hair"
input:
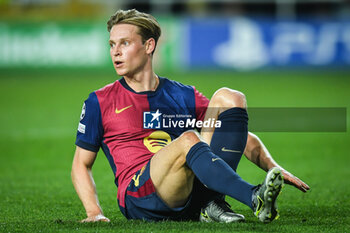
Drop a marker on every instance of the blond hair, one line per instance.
(147, 24)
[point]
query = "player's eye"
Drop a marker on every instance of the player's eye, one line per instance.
(126, 43)
(111, 45)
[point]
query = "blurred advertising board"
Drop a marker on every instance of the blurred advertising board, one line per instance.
(205, 43)
(246, 44)
(53, 45)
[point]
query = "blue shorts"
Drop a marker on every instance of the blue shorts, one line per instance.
(142, 201)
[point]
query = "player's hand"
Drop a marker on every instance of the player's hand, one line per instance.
(295, 181)
(96, 218)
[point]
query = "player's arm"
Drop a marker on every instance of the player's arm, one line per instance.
(84, 184)
(256, 152)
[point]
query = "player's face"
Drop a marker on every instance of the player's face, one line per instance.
(128, 53)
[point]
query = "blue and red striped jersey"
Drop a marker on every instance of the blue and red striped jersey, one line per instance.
(113, 118)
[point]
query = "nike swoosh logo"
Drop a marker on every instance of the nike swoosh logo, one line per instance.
(120, 110)
(205, 215)
(214, 159)
(228, 150)
(260, 205)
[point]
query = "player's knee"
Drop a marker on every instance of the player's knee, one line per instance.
(189, 138)
(228, 98)
(186, 141)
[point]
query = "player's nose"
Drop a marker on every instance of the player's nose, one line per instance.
(117, 51)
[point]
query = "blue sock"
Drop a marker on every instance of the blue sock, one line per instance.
(229, 141)
(217, 175)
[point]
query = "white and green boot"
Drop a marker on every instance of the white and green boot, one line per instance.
(265, 195)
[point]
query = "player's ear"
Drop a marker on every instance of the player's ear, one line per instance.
(150, 45)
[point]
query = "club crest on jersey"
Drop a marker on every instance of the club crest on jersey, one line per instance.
(152, 120)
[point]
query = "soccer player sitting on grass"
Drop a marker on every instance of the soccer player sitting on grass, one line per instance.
(168, 173)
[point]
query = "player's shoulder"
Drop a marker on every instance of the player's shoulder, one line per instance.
(108, 89)
(177, 85)
(102, 94)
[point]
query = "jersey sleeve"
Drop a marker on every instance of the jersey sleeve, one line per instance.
(90, 129)
(201, 104)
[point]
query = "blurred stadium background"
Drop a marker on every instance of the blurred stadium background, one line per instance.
(280, 53)
(197, 34)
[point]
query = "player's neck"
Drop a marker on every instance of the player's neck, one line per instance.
(146, 81)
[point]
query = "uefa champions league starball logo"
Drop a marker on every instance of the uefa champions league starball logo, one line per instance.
(82, 115)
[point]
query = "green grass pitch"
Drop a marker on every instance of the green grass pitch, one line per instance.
(39, 116)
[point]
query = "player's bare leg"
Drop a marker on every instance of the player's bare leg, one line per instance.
(172, 178)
